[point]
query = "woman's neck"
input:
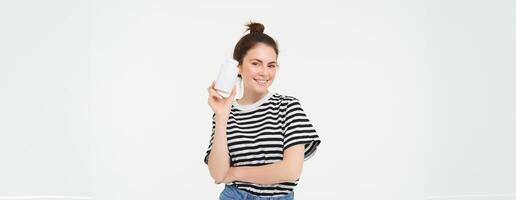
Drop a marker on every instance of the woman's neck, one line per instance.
(250, 98)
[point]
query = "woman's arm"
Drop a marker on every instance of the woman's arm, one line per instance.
(218, 160)
(289, 169)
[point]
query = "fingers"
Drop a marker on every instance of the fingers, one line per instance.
(212, 85)
(213, 93)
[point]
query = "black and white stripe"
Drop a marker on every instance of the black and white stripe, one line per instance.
(258, 135)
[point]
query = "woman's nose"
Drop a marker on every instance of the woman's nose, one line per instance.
(262, 70)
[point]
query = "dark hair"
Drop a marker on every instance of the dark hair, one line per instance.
(249, 40)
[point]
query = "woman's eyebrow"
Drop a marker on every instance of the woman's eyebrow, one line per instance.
(272, 62)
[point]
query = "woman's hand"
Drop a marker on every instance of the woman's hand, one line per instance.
(221, 106)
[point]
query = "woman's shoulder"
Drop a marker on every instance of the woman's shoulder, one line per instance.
(284, 97)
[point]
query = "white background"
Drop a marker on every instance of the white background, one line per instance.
(107, 100)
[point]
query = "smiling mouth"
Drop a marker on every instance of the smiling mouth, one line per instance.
(261, 82)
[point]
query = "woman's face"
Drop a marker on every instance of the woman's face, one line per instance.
(259, 68)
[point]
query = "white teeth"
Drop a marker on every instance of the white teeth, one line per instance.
(262, 82)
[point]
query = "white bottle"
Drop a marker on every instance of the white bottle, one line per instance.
(227, 76)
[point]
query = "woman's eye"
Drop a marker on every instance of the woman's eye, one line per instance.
(272, 66)
(255, 63)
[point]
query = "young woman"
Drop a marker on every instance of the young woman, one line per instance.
(259, 142)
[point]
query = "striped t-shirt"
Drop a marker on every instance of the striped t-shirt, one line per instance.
(259, 133)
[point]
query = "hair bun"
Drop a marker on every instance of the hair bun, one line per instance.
(255, 27)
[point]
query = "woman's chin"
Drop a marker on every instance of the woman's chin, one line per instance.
(261, 89)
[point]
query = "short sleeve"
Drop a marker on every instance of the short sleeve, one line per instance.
(211, 139)
(299, 130)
